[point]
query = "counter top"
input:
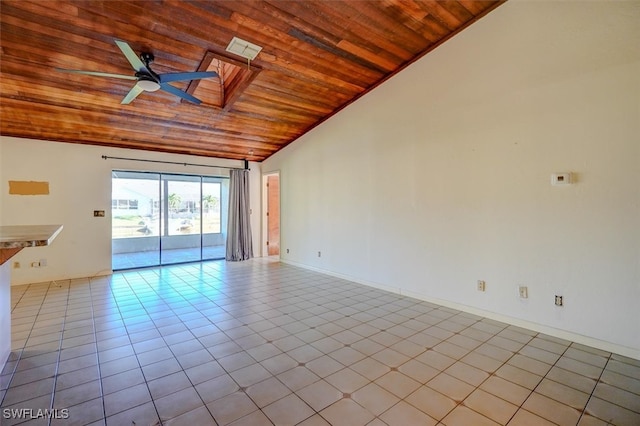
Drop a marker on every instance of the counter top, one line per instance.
(20, 236)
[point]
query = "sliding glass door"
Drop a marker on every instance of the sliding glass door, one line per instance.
(135, 219)
(181, 237)
(160, 219)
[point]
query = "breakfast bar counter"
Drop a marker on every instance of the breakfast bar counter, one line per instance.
(12, 240)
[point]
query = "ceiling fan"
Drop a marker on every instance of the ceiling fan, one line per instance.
(146, 79)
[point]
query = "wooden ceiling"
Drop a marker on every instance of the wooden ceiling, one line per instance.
(318, 56)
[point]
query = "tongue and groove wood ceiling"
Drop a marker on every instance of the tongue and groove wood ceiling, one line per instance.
(318, 56)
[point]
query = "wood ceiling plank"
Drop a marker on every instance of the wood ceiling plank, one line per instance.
(459, 11)
(362, 35)
(384, 64)
(477, 7)
(375, 17)
(299, 16)
(443, 14)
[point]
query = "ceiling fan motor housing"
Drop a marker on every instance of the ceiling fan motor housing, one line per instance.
(147, 57)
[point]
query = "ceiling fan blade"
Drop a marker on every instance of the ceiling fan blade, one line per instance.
(131, 56)
(99, 74)
(181, 76)
(184, 95)
(133, 93)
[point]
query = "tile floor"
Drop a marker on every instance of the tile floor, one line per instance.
(261, 343)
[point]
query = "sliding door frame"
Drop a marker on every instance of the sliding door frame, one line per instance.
(164, 224)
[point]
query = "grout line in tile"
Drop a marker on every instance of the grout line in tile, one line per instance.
(594, 388)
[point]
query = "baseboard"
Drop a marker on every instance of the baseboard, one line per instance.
(103, 273)
(529, 325)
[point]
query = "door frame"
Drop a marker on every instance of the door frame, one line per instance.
(265, 220)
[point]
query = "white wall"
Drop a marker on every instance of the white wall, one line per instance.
(79, 183)
(441, 176)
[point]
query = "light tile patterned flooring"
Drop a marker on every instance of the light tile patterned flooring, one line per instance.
(261, 343)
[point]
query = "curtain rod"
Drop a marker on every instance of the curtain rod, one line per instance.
(246, 163)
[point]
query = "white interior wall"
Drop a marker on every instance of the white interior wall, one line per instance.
(441, 176)
(79, 183)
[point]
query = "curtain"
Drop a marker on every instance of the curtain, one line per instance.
(239, 244)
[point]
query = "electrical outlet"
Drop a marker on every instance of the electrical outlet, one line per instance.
(481, 285)
(559, 301)
(43, 262)
(523, 292)
(35, 264)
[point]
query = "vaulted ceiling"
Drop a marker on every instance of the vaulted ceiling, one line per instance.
(317, 57)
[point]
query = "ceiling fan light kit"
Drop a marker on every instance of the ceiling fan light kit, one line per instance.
(148, 85)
